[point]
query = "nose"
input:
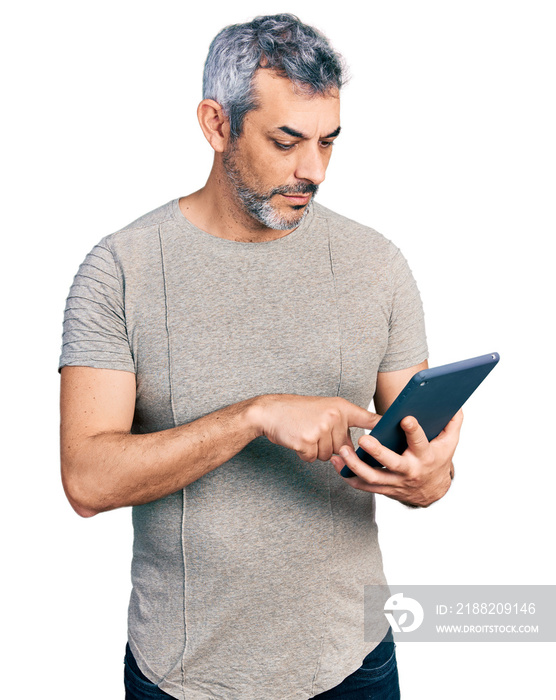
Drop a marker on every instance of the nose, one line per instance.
(312, 165)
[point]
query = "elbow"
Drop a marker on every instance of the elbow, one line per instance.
(80, 505)
(83, 511)
(80, 498)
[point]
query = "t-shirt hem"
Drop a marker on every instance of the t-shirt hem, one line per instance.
(96, 364)
(398, 364)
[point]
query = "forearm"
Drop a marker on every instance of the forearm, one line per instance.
(105, 466)
(116, 469)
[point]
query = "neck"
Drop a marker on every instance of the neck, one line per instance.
(215, 209)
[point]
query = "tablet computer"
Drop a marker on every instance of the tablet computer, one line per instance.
(433, 396)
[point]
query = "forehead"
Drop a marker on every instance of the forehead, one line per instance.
(281, 103)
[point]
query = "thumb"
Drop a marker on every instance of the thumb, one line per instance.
(416, 439)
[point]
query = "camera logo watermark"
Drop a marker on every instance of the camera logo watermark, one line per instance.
(403, 604)
(461, 613)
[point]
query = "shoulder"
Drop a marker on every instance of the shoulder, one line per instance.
(152, 219)
(137, 242)
(349, 235)
(140, 229)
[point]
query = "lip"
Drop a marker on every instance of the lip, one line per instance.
(297, 199)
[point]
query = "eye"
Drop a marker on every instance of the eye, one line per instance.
(284, 146)
(327, 144)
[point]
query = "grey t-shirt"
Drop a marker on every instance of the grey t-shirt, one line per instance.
(248, 583)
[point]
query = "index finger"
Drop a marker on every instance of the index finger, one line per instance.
(358, 417)
(455, 424)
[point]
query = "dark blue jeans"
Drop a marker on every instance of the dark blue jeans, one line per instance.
(376, 679)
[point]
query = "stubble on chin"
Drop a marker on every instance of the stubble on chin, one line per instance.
(257, 205)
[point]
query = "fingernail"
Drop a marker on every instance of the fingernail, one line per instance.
(344, 452)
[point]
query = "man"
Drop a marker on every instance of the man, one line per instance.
(216, 354)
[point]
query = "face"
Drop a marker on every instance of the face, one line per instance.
(275, 166)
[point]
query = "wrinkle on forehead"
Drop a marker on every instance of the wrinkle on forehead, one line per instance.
(284, 104)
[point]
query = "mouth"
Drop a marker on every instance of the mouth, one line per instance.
(297, 196)
(297, 200)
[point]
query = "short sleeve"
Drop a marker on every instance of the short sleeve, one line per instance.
(407, 342)
(94, 333)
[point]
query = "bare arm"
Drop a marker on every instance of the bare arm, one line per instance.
(389, 385)
(104, 466)
(423, 474)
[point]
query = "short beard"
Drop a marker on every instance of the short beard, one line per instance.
(257, 204)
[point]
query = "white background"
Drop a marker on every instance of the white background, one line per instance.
(448, 148)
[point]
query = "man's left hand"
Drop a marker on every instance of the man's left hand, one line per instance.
(418, 477)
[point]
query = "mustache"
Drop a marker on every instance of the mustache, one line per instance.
(302, 188)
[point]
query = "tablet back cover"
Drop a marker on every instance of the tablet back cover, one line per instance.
(432, 396)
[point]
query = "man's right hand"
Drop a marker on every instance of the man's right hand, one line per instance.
(314, 427)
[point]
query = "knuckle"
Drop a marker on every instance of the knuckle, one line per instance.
(334, 415)
(311, 436)
(414, 476)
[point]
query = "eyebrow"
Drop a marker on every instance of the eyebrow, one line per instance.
(298, 135)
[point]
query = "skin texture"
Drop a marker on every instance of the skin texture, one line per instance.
(105, 467)
(266, 157)
(285, 143)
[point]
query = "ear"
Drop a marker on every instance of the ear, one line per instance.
(214, 123)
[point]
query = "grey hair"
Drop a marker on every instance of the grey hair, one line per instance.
(278, 42)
